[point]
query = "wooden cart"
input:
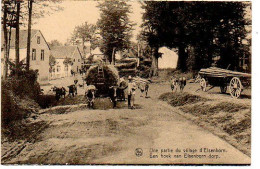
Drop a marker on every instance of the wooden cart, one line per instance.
(223, 78)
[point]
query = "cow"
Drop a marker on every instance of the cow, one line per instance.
(90, 95)
(59, 92)
(72, 90)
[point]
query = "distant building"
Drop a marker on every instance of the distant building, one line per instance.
(63, 54)
(85, 52)
(40, 52)
(128, 55)
(97, 54)
(168, 59)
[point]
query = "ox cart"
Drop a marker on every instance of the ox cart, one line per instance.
(236, 82)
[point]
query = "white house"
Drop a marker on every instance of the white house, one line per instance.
(63, 54)
(40, 52)
(168, 59)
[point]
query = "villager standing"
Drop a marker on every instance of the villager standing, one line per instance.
(131, 92)
(76, 84)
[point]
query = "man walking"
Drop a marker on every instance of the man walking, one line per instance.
(131, 92)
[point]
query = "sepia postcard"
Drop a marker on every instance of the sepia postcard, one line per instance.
(126, 82)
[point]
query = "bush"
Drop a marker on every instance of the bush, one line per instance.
(178, 73)
(24, 85)
(46, 101)
(19, 95)
(14, 108)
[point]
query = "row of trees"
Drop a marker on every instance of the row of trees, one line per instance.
(199, 30)
(112, 32)
(17, 13)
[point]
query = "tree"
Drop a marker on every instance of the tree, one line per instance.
(200, 29)
(17, 32)
(115, 27)
(151, 27)
(30, 7)
(85, 32)
(52, 63)
(54, 43)
(5, 7)
(9, 10)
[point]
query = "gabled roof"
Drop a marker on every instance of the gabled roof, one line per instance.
(82, 48)
(22, 38)
(62, 52)
(96, 51)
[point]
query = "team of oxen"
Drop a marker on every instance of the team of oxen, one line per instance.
(115, 93)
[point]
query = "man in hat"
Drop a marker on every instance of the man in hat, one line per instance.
(131, 92)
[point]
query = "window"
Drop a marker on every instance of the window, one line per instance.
(42, 54)
(66, 68)
(58, 68)
(74, 60)
(38, 40)
(33, 54)
(79, 60)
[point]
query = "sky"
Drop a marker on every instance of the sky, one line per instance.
(60, 25)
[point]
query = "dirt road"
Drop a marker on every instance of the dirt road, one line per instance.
(149, 134)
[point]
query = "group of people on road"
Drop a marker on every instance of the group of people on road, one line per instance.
(118, 92)
(178, 82)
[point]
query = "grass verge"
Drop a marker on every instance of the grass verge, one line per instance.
(180, 99)
(230, 121)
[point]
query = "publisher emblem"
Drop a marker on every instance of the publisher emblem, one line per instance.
(138, 152)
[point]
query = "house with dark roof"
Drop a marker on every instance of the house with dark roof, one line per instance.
(40, 52)
(67, 58)
(84, 50)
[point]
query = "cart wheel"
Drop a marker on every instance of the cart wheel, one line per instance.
(203, 84)
(223, 89)
(235, 87)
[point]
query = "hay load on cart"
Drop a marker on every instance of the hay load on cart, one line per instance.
(234, 81)
(102, 77)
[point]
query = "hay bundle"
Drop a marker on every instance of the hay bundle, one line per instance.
(128, 71)
(126, 61)
(130, 65)
(111, 78)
